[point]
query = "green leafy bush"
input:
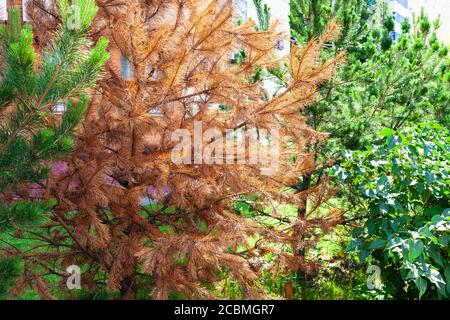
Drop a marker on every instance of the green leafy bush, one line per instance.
(405, 185)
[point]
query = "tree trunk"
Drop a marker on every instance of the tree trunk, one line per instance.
(128, 288)
(302, 278)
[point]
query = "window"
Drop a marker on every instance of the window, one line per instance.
(3, 10)
(398, 17)
(126, 68)
(395, 36)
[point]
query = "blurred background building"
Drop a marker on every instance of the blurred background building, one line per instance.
(402, 9)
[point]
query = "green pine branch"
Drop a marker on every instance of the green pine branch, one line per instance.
(263, 14)
(29, 90)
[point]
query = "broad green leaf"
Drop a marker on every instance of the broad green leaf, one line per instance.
(444, 240)
(435, 254)
(421, 284)
(377, 244)
(371, 227)
(416, 248)
(363, 254)
(447, 279)
(436, 278)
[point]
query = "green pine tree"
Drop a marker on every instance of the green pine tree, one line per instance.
(263, 14)
(31, 86)
(385, 83)
(309, 18)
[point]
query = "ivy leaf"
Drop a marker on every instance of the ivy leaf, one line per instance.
(434, 253)
(377, 244)
(436, 278)
(371, 227)
(421, 284)
(430, 177)
(446, 213)
(425, 232)
(415, 249)
(384, 208)
(444, 240)
(363, 254)
(447, 278)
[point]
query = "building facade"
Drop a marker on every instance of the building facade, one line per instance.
(245, 9)
(400, 11)
(5, 4)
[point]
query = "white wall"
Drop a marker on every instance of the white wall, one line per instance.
(3, 10)
(436, 8)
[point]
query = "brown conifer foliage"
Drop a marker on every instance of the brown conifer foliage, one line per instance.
(180, 52)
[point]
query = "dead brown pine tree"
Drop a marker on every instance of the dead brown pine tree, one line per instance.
(179, 55)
